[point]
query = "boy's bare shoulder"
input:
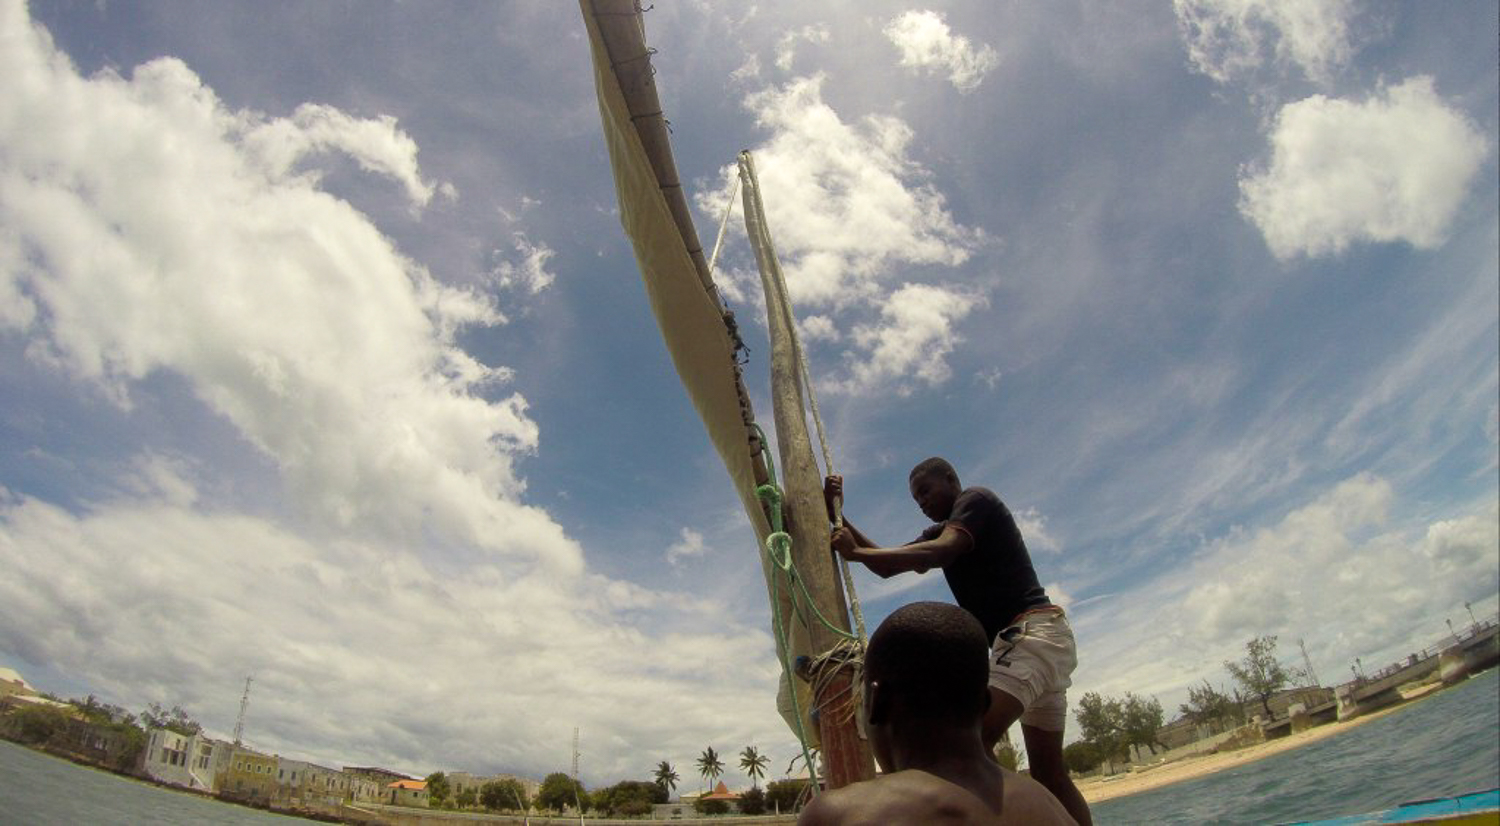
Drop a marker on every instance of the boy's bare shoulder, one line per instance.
(1027, 801)
(913, 797)
(916, 797)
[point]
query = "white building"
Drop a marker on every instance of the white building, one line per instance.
(192, 761)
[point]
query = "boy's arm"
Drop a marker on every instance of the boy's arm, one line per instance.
(918, 556)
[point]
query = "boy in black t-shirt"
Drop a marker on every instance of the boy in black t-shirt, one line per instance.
(974, 539)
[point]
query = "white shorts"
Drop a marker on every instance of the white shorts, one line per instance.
(1033, 661)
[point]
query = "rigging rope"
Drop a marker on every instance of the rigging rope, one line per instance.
(850, 649)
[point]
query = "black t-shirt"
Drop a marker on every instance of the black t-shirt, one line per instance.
(994, 580)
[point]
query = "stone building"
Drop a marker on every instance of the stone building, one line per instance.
(249, 776)
(407, 793)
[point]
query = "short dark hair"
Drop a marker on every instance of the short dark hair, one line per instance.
(935, 464)
(934, 658)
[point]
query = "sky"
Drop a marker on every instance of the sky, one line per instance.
(324, 358)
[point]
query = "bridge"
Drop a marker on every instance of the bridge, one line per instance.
(1453, 658)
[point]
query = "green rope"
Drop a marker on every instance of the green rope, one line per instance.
(779, 551)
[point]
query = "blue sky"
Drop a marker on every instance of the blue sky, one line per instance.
(324, 357)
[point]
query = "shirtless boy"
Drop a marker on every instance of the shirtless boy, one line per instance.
(924, 701)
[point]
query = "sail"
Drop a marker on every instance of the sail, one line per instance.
(656, 218)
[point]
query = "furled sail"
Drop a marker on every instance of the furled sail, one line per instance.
(700, 335)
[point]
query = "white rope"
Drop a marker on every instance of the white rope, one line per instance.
(723, 225)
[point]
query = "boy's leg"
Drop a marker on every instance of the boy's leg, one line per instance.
(1004, 710)
(1044, 756)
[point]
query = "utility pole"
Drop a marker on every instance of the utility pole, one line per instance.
(239, 724)
(1307, 661)
(576, 799)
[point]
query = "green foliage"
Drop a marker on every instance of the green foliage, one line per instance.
(1100, 720)
(466, 798)
(1259, 672)
(437, 788)
(132, 742)
(784, 795)
(709, 764)
(1005, 753)
(175, 720)
(754, 764)
(1082, 756)
(1141, 719)
(1114, 724)
(97, 711)
(711, 807)
(38, 724)
(1207, 706)
(506, 793)
(560, 792)
(753, 802)
(629, 797)
(666, 777)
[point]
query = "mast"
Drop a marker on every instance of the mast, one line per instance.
(847, 758)
(239, 723)
(701, 337)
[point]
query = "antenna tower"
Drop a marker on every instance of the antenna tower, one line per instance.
(239, 724)
(576, 784)
(1307, 661)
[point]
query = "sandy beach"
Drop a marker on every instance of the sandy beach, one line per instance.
(1145, 778)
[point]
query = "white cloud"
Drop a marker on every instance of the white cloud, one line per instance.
(926, 42)
(279, 145)
(1395, 167)
(481, 671)
(748, 70)
(1332, 570)
(850, 212)
(155, 230)
(146, 231)
(690, 545)
(786, 47)
(530, 271)
(1058, 596)
(1228, 39)
(1033, 525)
(912, 339)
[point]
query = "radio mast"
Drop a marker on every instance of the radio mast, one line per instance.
(239, 724)
(1307, 661)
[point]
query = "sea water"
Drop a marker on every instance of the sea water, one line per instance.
(41, 790)
(1440, 746)
(1446, 744)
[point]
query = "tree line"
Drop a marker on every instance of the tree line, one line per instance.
(1110, 726)
(559, 792)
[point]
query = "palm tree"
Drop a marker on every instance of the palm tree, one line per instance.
(709, 764)
(754, 764)
(666, 777)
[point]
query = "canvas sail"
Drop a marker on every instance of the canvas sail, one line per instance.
(656, 218)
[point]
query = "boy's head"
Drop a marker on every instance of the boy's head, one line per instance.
(927, 663)
(934, 487)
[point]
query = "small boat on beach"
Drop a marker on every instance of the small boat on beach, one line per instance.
(1463, 810)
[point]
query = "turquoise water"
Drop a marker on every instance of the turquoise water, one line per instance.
(1447, 744)
(42, 790)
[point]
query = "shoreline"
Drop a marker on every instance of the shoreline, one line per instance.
(1148, 778)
